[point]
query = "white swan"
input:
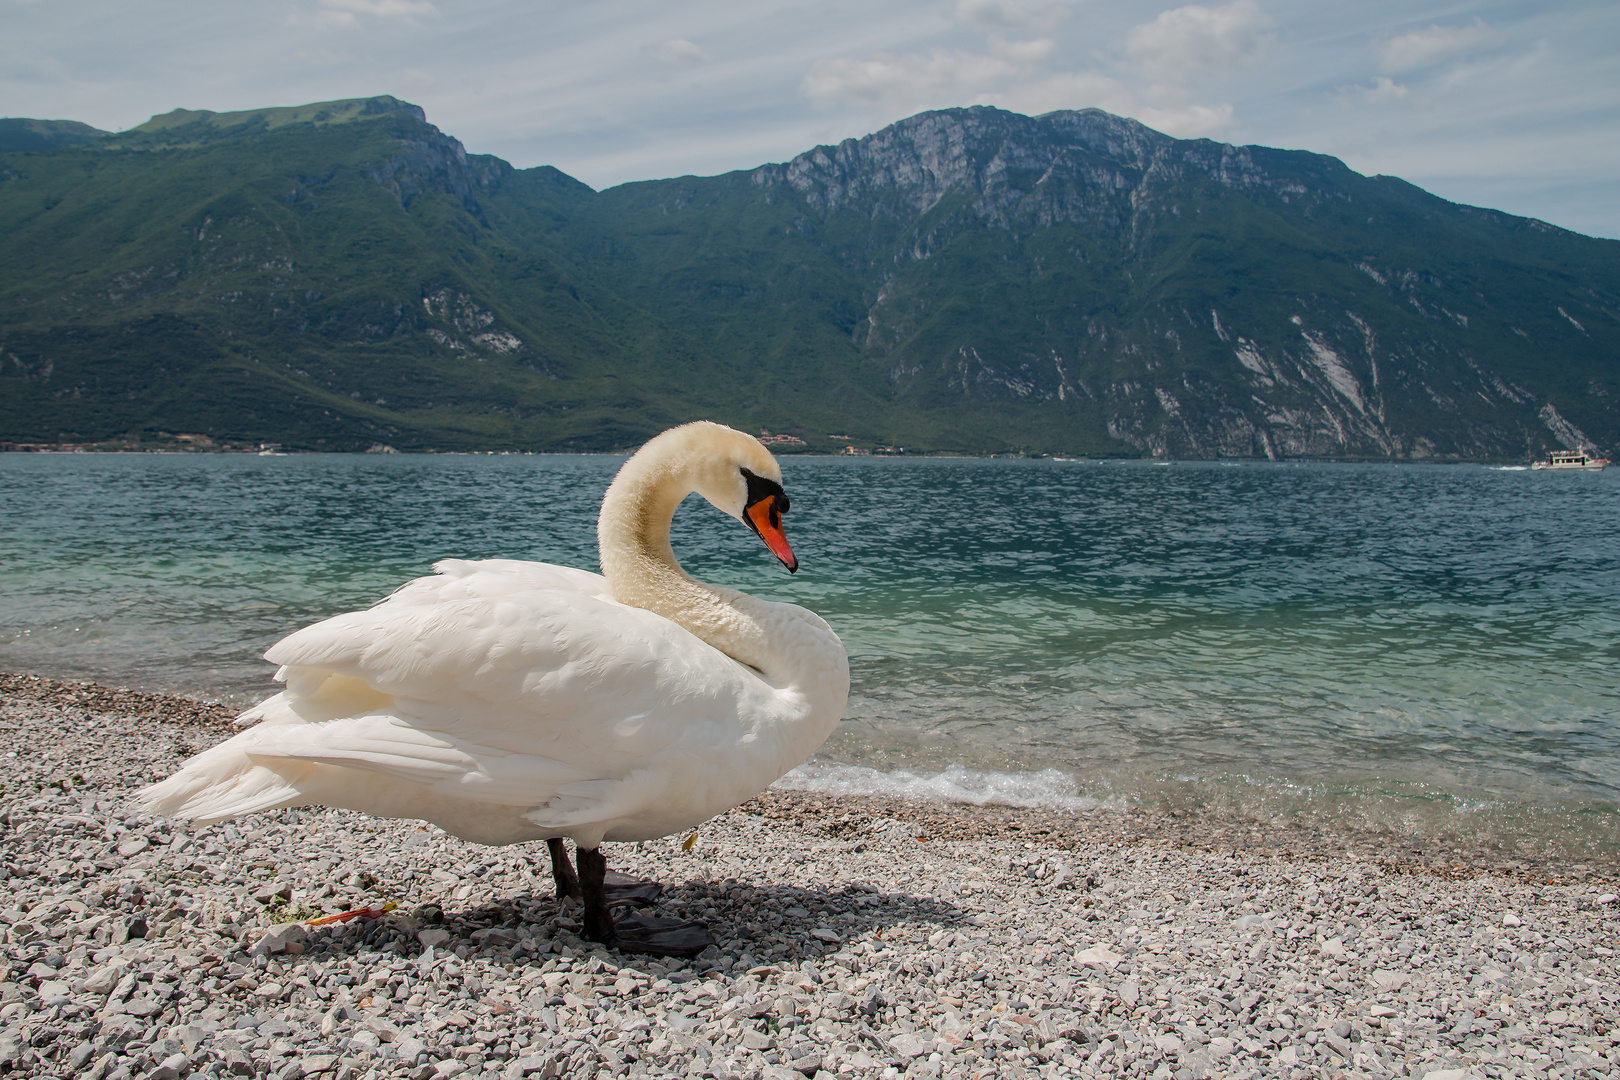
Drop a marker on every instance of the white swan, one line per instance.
(508, 701)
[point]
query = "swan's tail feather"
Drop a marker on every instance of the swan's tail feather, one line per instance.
(222, 783)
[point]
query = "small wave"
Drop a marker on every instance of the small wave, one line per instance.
(1508, 468)
(1048, 789)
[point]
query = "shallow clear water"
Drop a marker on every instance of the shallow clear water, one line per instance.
(1431, 648)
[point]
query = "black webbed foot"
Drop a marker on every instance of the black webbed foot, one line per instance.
(652, 936)
(644, 934)
(622, 889)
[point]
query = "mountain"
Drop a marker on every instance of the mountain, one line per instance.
(344, 274)
(33, 135)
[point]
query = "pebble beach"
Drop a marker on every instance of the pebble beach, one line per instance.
(858, 937)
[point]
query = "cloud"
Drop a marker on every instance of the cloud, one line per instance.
(909, 80)
(336, 14)
(1383, 91)
(678, 51)
(1006, 13)
(1191, 43)
(1425, 48)
(1067, 90)
(1020, 75)
(1188, 121)
(943, 78)
(387, 9)
(1021, 53)
(1094, 90)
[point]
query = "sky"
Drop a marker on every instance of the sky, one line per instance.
(1511, 105)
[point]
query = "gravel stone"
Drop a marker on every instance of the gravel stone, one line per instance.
(859, 938)
(172, 1068)
(270, 893)
(279, 938)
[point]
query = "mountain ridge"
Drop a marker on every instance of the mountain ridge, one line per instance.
(966, 280)
(27, 136)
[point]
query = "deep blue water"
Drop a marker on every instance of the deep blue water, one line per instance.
(1428, 647)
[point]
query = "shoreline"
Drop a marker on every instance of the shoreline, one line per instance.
(779, 451)
(1178, 829)
(860, 937)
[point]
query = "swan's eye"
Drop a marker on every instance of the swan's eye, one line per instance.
(759, 488)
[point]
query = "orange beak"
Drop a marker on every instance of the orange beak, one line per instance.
(766, 520)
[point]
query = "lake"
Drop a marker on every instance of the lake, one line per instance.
(1429, 648)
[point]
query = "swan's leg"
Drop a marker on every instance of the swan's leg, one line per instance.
(634, 933)
(562, 870)
(598, 921)
(620, 888)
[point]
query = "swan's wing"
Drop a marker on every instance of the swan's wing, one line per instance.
(551, 672)
(558, 795)
(439, 762)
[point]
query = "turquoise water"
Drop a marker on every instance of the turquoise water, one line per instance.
(1428, 648)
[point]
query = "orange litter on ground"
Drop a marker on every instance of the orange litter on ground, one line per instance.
(357, 913)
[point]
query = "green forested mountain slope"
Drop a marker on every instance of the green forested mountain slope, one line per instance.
(33, 135)
(343, 274)
(319, 284)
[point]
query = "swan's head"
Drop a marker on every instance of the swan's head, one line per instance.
(731, 469)
(741, 478)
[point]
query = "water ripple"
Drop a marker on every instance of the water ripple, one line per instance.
(1264, 632)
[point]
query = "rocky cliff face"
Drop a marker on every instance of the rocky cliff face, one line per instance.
(1198, 298)
(1061, 167)
(429, 160)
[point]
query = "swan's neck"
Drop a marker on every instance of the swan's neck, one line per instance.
(642, 571)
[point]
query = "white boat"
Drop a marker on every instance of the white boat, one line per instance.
(1571, 459)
